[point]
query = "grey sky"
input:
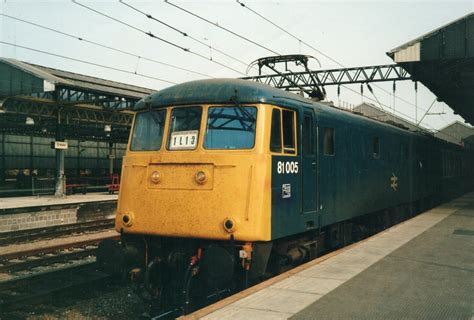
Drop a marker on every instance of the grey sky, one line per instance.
(354, 33)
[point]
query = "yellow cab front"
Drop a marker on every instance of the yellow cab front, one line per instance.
(197, 171)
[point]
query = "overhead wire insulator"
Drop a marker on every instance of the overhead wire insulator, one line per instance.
(369, 87)
(394, 88)
(339, 95)
(416, 101)
(138, 62)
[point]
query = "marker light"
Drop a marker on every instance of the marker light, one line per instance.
(201, 177)
(155, 177)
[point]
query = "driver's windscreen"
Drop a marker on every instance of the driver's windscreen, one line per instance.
(230, 128)
(148, 131)
(184, 128)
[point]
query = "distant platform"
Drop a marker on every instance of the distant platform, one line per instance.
(41, 201)
(21, 213)
(422, 268)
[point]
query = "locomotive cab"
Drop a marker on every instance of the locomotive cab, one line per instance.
(197, 171)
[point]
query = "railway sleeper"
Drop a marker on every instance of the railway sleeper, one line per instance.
(31, 262)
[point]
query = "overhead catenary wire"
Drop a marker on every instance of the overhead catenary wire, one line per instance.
(106, 46)
(426, 113)
(287, 32)
(342, 65)
(270, 50)
(372, 91)
(427, 128)
(431, 128)
(183, 33)
(221, 27)
(153, 36)
(319, 51)
(85, 61)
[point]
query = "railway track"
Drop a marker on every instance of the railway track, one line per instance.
(31, 276)
(21, 236)
(21, 292)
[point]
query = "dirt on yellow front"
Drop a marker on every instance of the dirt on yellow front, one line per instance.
(193, 193)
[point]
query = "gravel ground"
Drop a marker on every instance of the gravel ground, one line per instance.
(112, 303)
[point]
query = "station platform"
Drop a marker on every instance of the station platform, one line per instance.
(422, 268)
(42, 201)
(20, 213)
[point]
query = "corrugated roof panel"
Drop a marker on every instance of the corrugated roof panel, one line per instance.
(91, 82)
(33, 70)
(469, 18)
(15, 81)
(79, 81)
(445, 65)
(411, 53)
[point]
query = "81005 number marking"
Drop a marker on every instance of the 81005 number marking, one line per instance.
(285, 167)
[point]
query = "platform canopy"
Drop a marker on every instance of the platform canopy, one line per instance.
(82, 104)
(17, 78)
(443, 60)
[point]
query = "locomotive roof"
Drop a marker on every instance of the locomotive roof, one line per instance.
(221, 91)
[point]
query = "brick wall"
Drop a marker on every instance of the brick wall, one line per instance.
(55, 215)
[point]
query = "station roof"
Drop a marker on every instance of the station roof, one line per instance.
(456, 132)
(82, 104)
(443, 60)
(18, 77)
(374, 112)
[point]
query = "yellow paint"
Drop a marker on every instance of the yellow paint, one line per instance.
(249, 193)
(237, 186)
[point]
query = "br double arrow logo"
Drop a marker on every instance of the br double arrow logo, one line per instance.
(394, 182)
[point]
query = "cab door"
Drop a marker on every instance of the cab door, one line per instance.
(309, 163)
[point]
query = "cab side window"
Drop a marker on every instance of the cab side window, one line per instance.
(329, 141)
(275, 137)
(283, 131)
(289, 143)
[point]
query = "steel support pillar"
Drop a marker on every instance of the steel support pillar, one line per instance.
(111, 158)
(60, 179)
